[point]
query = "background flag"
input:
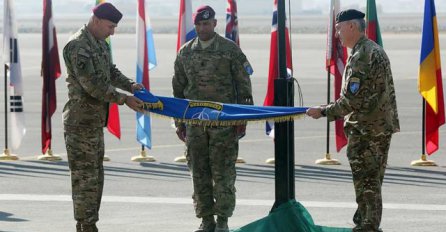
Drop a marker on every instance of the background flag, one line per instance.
(335, 64)
(113, 122)
(186, 29)
(50, 72)
(232, 22)
(430, 84)
(274, 66)
(373, 32)
(146, 59)
(11, 57)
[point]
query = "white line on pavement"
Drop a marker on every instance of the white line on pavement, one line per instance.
(187, 201)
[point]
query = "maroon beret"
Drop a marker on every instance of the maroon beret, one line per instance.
(107, 11)
(203, 13)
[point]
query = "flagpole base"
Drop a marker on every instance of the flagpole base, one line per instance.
(181, 159)
(240, 160)
(7, 156)
(106, 158)
(49, 156)
(327, 160)
(423, 162)
(142, 157)
(270, 161)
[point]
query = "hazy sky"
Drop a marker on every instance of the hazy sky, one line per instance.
(166, 8)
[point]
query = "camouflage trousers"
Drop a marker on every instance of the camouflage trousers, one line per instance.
(211, 156)
(85, 149)
(367, 156)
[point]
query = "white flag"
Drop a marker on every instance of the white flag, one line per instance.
(11, 57)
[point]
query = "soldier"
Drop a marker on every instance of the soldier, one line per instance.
(212, 68)
(368, 105)
(92, 79)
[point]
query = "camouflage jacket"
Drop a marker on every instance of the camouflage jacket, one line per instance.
(91, 81)
(367, 100)
(218, 73)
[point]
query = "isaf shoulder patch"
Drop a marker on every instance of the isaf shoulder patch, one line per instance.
(354, 85)
(248, 68)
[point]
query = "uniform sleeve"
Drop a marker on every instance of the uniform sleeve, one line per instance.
(241, 70)
(363, 90)
(179, 79)
(119, 80)
(93, 82)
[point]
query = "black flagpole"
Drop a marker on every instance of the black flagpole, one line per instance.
(328, 102)
(6, 106)
(284, 131)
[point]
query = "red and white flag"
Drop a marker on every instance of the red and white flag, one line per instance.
(232, 22)
(11, 57)
(335, 64)
(50, 72)
(274, 66)
(186, 29)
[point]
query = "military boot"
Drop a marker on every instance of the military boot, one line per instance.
(88, 228)
(207, 224)
(222, 224)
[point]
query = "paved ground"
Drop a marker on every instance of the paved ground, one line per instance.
(141, 197)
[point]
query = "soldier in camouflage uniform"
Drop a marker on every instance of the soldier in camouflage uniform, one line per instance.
(212, 68)
(368, 105)
(91, 82)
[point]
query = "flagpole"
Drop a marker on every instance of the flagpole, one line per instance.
(6, 153)
(423, 160)
(328, 160)
(283, 132)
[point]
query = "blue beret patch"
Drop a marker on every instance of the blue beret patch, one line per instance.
(248, 68)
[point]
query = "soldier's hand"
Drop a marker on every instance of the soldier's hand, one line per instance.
(181, 133)
(314, 112)
(134, 103)
(137, 87)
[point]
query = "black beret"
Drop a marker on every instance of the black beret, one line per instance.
(349, 15)
(107, 11)
(203, 13)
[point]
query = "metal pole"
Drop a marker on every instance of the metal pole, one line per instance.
(6, 106)
(423, 129)
(283, 132)
(328, 122)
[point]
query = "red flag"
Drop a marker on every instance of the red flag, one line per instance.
(335, 64)
(50, 72)
(274, 65)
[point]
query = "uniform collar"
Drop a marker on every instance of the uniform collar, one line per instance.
(214, 43)
(90, 37)
(358, 44)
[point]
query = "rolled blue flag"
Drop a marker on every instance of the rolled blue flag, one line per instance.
(209, 113)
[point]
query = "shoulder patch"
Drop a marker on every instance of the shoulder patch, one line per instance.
(82, 58)
(354, 85)
(248, 68)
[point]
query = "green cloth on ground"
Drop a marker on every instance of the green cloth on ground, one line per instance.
(288, 217)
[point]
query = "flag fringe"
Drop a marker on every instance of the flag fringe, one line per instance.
(196, 122)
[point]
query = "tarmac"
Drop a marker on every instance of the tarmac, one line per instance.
(35, 196)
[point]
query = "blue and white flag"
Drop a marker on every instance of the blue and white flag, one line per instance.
(146, 60)
(11, 57)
